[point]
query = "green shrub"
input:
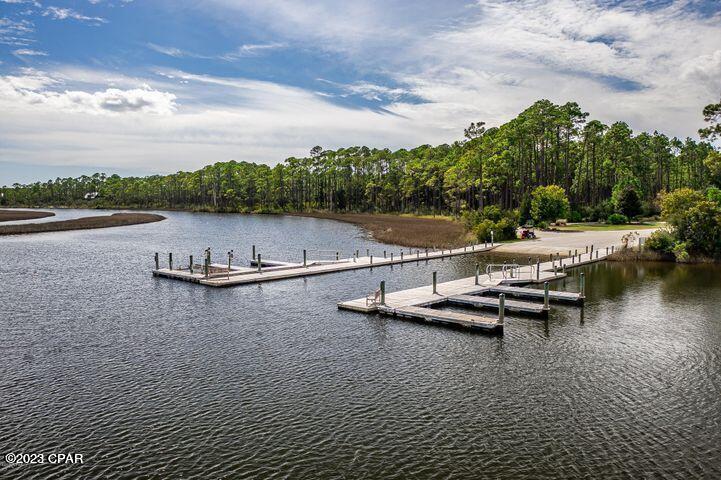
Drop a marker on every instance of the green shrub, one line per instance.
(628, 202)
(503, 229)
(681, 253)
(575, 216)
(617, 219)
(676, 204)
(713, 194)
(661, 241)
(549, 203)
(700, 228)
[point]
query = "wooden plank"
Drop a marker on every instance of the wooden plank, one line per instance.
(536, 293)
(493, 302)
(445, 317)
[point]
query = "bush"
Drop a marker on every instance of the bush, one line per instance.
(504, 228)
(713, 194)
(629, 203)
(575, 216)
(674, 205)
(661, 241)
(617, 219)
(549, 203)
(681, 253)
(700, 229)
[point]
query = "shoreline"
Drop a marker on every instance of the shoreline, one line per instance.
(12, 215)
(401, 230)
(86, 223)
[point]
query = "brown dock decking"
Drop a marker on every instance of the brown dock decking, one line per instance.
(474, 322)
(277, 270)
(527, 308)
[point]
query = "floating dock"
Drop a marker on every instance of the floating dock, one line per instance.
(225, 275)
(482, 291)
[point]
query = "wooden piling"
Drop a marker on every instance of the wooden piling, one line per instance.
(501, 308)
(435, 282)
(383, 292)
(253, 252)
(583, 285)
(305, 258)
(170, 261)
(191, 265)
(478, 269)
(260, 264)
(157, 261)
(545, 296)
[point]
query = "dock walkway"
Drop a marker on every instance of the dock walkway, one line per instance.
(473, 291)
(276, 270)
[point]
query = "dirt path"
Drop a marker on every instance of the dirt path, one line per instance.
(562, 242)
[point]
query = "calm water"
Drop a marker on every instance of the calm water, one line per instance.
(151, 377)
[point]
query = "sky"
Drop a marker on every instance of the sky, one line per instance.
(142, 87)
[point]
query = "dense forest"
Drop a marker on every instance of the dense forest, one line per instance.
(546, 144)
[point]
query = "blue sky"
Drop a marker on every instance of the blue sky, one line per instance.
(139, 87)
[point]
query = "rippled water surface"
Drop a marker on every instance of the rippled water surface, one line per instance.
(152, 377)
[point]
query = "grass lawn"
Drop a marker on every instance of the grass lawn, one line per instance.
(595, 227)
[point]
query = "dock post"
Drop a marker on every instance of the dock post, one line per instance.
(260, 264)
(501, 308)
(191, 265)
(575, 252)
(371, 257)
(253, 252)
(401, 256)
(491, 237)
(435, 282)
(545, 296)
(612, 248)
(337, 256)
(384, 254)
(383, 292)
(555, 273)
(606, 250)
(583, 285)
(230, 257)
(591, 248)
(392, 256)
(206, 267)
(563, 266)
(596, 254)
(170, 261)
(418, 254)
(426, 253)
(573, 259)
(538, 270)
(305, 258)
(478, 268)
(157, 261)
(357, 253)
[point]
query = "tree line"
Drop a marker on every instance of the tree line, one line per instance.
(546, 144)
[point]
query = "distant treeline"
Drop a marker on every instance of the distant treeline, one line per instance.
(546, 144)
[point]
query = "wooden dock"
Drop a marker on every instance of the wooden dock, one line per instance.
(483, 291)
(220, 276)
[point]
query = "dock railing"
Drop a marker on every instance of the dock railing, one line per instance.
(509, 270)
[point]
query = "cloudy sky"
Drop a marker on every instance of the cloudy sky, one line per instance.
(138, 87)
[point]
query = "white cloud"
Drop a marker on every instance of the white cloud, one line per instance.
(58, 13)
(16, 32)
(29, 52)
(37, 92)
(246, 50)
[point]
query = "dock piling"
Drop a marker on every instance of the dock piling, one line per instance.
(170, 261)
(401, 256)
(157, 261)
(538, 270)
(371, 258)
(435, 282)
(260, 264)
(337, 256)
(545, 296)
(191, 265)
(384, 254)
(253, 252)
(583, 285)
(383, 292)
(501, 308)
(305, 258)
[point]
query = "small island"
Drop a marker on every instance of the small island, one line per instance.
(15, 215)
(100, 221)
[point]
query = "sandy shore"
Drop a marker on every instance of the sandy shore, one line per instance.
(561, 242)
(104, 221)
(15, 215)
